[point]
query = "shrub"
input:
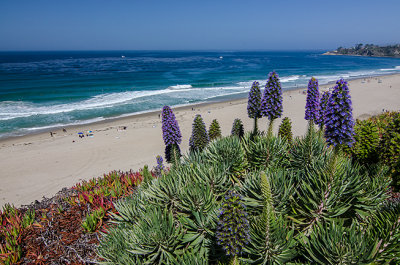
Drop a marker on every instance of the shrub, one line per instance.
(390, 148)
(365, 147)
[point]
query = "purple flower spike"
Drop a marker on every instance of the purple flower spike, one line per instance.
(254, 102)
(233, 229)
(170, 127)
(339, 120)
(312, 105)
(323, 104)
(160, 165)
(271, 104)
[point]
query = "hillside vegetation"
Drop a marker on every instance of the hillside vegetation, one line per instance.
(368, 50)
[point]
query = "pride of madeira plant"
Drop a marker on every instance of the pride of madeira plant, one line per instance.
(199, 139)
(285, 130)
(339, 122)
(323, 104)
(254, 104)
(237, 128)
(171, 135)
(312, 104)
(233, 227)
(271, 103)
(299, 211)
(215, 130)
(281, 204)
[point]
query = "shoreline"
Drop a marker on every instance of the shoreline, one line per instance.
(37, 165)
(339, 54)
(154, 112)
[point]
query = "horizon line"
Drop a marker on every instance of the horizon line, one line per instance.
(168, 50)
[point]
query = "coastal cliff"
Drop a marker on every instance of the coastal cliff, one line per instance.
(368, 50)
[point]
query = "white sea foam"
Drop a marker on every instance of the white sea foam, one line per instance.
(15, 109)
(396, 68)
(58, 125)
(289, 78)
(180, 87)
(248, 84)
(284, 79)
(323, 79)
(18, 109)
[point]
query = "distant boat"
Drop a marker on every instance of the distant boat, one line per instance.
(123, 56)
(221, 57)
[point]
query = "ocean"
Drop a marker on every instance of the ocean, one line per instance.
(42, 90)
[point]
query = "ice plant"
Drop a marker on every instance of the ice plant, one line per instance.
(254, 104)
(171, 134)
(312, 103)
(271, 103)
(233, 227)
(237, 128)
(199, 139)
(339, 121)
(322, 109)
(215, 130)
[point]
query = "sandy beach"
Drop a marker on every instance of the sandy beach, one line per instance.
(39, 165)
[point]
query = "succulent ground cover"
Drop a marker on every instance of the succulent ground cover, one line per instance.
(64, 229)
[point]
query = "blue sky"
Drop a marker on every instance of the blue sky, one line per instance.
(196, 25)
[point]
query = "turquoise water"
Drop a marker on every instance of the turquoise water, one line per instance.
(41, 90)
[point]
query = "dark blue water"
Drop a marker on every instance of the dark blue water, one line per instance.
(45, 89)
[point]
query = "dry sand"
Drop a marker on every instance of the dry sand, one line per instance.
(39, 165)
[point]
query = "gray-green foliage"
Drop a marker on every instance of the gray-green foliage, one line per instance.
(263, 152)
(272, 241)
(228, 154)
(304, 209)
